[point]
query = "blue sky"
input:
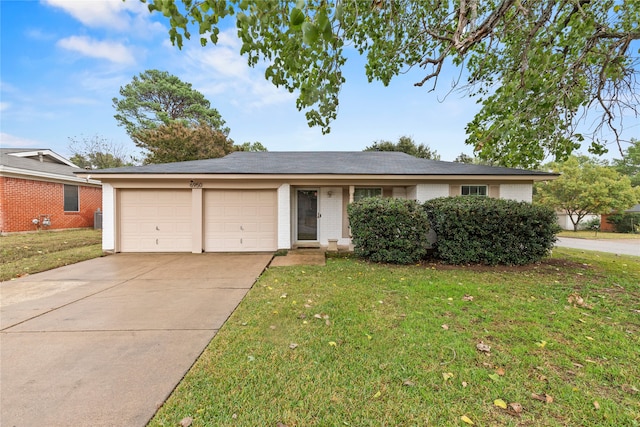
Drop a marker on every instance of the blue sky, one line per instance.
(63, 61)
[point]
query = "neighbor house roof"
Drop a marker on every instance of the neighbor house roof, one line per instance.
(41, 164)
(320, 163)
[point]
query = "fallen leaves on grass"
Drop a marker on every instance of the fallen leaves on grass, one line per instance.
(577, 301)
(466, 419)
(515, 408)
(447, 376)
(483, 347)
(293, 346)
(186, 422)
(467, 298)
(543, 397)
(494, 377)
(596, 405)
(408, 383)
(445, 327)
(500, 403)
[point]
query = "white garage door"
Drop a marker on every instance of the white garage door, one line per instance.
(240, 220)
(155, 220)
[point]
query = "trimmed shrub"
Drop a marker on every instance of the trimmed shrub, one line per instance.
(482, 230)
(389, 230)
(626, 222)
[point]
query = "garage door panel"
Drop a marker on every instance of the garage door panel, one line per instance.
(240, 220)
(155, 220)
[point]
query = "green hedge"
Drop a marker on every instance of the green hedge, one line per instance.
(472, 230)
(626, 222)
(389, 230)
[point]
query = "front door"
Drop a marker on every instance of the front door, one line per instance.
(307, 215)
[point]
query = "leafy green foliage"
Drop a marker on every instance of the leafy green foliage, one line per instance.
(625, 222)
(178, 142)
(490, 231)
(251, 146)
(407, 145)
(156, 98)
(97, 153)
(534, 67)
(584, 187)
(389, 230)
(629, 165)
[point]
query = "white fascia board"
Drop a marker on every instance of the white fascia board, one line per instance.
(29, 174)
(45, 153)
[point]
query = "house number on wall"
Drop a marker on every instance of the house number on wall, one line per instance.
(194, 184)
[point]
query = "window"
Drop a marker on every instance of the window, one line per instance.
(363, 193)
(71, 203)
(474, 190)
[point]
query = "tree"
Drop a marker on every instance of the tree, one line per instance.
(537, 67)
(156, 98)
(464, 158)
(585, 187)
(629, 165)
(96, 152)
(178, 142)
(251, 146)
(407, 145)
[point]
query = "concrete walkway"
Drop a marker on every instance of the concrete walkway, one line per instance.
(104, 342)
(616, 246)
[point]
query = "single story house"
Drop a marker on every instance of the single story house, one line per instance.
(39, 190)
(564, 220)
(265, 201)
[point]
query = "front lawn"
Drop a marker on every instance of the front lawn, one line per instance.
(30, 253)
(357, 344)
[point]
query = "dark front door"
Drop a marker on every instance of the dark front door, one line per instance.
(307, 214)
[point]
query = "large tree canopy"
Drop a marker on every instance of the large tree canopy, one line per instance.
(537, 67)
(586, 187)
(179, 142)
(156, 98)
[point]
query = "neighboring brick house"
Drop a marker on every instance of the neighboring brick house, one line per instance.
(39, 191)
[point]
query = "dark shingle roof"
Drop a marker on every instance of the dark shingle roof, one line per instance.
(319, 163)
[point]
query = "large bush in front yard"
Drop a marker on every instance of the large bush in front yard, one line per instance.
(389, 230)
(491, 231)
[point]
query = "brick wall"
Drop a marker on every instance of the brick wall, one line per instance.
(22, 200)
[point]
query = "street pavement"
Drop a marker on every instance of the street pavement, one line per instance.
(615, 246)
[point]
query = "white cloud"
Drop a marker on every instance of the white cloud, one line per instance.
(114, 14)
(12, 141)
(227, 73)
(114, 52)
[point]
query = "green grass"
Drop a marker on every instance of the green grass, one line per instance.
(586, 234)
(378, 351)
(35, 252)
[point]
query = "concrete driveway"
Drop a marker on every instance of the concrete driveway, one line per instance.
(104, 342)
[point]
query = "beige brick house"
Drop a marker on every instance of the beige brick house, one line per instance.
(265, 201)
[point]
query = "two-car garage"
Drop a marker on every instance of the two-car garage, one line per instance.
(179, 220)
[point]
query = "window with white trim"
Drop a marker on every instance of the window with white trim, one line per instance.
(71, 199)
(365, 192)
(474, 190)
